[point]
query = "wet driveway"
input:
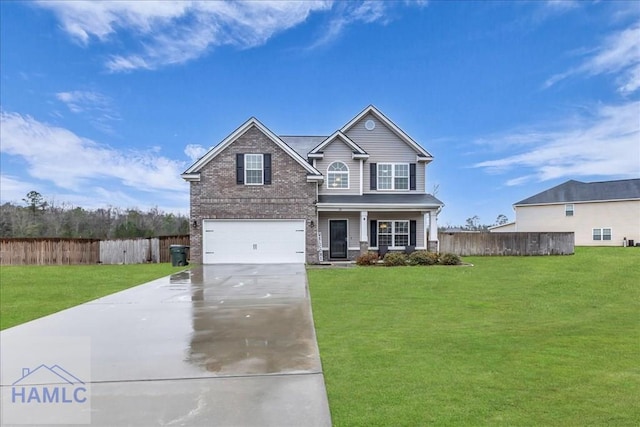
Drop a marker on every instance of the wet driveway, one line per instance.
(218, 345)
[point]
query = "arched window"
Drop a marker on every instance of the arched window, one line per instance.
(337, 175)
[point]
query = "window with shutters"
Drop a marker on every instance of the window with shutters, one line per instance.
(393, 233)
(253, 169)
(393, 176)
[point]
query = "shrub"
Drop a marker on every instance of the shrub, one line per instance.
(450, 259)
(423, 258)
(392, 259)
(370, 258)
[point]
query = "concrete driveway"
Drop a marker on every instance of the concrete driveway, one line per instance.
(228, 345)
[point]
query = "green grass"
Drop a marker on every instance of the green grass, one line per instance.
(30, 292)
(512, 341)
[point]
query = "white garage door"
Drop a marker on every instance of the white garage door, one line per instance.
(253, 241)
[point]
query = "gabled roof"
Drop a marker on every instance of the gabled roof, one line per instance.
(194, 170)
(576, 191)
(338, 135)
(392, 126)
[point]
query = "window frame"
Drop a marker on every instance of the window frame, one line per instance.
(601, 236)
(393, 176)
(329, 173)
(247, 169)
(393, 232)
(569, 209)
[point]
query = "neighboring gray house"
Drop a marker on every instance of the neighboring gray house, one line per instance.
(603, 213)
(258, 197)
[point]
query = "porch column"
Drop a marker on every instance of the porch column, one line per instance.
(425, 233)
(364, 232)
(433, 226)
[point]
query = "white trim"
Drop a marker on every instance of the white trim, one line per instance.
(348, 172)
(345, 139)
(393, 177)
(395, 129)
(191, 176)
(261, 169)
(576, 202)
(572, 210)
(393, 232)
(361, 177)
(602, 234)
(393, 207)
(212, 153)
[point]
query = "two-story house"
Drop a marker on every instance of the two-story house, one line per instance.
(605, 213)
(257, 197)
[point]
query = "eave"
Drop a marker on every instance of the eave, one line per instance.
(191, 177)
(388, 207)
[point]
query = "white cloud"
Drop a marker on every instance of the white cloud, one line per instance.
(194, 151)
(352, 12)
(174, 32)
(13, 188)
(71, 162)
(605, 143)
(96, 107)
(619, 54)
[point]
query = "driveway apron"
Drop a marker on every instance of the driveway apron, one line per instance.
(223, 345)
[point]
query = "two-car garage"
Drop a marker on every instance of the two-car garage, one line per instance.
(253, 241)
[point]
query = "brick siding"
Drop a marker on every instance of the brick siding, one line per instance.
(217, 196)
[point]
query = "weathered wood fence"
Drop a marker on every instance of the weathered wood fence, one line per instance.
(49, 251)
(479, 243)
(43, 251)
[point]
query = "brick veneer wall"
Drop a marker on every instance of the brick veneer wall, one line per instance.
(217, 196)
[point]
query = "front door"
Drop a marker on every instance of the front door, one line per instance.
(338, 238)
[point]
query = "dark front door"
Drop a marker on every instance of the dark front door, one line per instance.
(338, 238)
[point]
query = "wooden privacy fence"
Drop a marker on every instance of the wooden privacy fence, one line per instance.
(139, 251)
(42, 251)
(49, 251)
(478, 243)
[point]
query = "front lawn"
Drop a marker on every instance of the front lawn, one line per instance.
(511, 341)
(32, 291)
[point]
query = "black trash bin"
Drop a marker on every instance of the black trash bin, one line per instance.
(178, 255)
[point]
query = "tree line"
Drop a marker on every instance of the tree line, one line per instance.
(40, 218)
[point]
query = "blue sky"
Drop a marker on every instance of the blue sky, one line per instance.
(106, 103)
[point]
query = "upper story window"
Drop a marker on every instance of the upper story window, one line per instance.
(393, 176)
(338, 176)
(568, 210)
(253, 169)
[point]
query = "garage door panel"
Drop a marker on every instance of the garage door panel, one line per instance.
(250, 241)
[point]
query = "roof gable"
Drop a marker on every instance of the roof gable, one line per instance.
(391, 126)
(252, 122)
(577, 191)
(338, 136)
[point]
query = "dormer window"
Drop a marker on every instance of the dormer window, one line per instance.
(338, 176)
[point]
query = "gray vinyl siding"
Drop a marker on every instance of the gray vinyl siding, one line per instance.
(406, 216)
(384, 146)
(338, 151)
(353, 225)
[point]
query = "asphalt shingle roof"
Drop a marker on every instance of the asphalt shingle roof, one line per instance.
(302, 144)
(408, 198)
(576, 191)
